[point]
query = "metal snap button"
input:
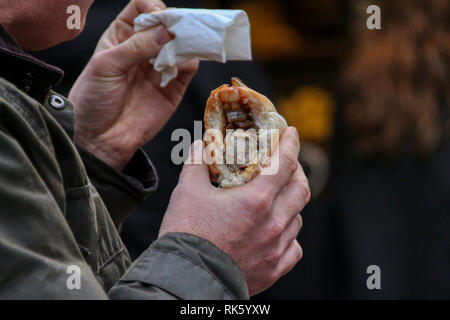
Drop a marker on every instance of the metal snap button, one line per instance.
(57, 102)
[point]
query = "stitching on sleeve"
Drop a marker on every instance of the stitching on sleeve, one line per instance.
(227, 292)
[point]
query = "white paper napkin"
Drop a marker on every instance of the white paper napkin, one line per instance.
(217, 35)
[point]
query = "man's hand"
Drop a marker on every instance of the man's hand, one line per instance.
(256, 224)
(119, 105)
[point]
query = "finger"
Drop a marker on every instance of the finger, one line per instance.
(291, 232)
(136, 7)
(290, 258)
(195, 169)
(282, 165)
(138, 48)
(186, 71)
(294, 196)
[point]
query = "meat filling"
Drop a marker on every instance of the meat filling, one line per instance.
(238, 116)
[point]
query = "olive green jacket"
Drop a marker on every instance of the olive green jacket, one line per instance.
(60, 208)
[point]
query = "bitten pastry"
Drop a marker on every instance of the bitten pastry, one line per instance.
(244, 118)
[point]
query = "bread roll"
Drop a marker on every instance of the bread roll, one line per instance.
(235, 121)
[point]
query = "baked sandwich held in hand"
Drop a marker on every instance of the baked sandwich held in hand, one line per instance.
(242, 130)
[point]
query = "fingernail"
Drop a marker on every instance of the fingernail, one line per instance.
(162, 35)
(156, 8)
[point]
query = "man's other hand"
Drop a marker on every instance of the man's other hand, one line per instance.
(119, 105)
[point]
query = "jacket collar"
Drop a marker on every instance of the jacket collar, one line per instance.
(29, 74)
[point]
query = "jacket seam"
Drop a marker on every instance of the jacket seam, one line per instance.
(227, 292)
(109, 260)
(223, 253)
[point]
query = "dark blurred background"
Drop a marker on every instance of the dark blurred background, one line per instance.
(372, 109)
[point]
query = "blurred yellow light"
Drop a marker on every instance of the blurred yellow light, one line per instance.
(311, 110)
(271, 36)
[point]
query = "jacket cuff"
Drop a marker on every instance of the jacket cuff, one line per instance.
(189, 267)
(122, 191)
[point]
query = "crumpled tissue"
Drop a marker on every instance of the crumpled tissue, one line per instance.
(217, 35)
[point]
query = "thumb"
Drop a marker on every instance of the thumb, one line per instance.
(195, 169)
(140, 47)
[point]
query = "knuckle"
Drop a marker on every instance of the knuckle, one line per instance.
(290, 161)
(273, 257)
(150, 40)
(144, 41)
(274, 230)
(260, 202)
(135, 44)
(304, 193)
(277, 254)
(294, 203)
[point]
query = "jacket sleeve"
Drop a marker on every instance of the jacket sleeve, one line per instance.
(122, 191)
(37, 250)
(182, 266)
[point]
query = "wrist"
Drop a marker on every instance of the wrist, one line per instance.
(114, 156)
